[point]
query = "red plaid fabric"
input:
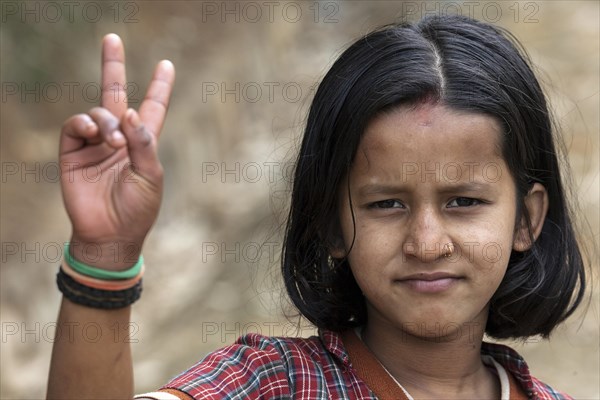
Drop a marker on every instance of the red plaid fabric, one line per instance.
(261, 367)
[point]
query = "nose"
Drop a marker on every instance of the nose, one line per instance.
(427, 239)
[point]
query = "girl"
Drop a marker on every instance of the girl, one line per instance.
(427, 210)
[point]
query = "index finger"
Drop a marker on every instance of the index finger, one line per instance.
(114, 96)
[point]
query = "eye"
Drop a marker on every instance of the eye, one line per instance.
(463, 202)
(386, 204)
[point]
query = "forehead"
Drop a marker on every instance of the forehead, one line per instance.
(428, 136)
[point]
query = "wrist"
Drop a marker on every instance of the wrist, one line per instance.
(115, 255)
(99, 287)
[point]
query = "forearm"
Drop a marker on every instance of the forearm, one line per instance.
(111, 216)
(88, 360)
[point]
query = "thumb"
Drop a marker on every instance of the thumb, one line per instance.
(141, 146)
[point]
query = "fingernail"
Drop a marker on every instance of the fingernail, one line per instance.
(167, 64)
(112, 37)
(117, 136)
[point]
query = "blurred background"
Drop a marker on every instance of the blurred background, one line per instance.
(245, 77)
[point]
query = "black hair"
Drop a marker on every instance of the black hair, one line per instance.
(466, 65)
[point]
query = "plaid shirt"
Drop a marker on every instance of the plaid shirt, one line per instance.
(261, 367)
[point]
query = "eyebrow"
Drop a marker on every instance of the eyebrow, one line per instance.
(382, 188)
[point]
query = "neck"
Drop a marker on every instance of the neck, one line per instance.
(434, 363)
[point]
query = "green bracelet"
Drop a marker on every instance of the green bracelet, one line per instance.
(102, 273)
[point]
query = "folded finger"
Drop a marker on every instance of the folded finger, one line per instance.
(108, 126)
(141, 145)
(76, 131)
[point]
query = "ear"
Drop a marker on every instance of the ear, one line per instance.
(536, 202)
(334, 240)
(337, 251)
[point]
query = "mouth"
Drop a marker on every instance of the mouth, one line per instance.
(430, 282)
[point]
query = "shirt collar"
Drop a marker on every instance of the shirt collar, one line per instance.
(504, 355)
(512, 362)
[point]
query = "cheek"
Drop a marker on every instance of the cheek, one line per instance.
(490, 252)
(373, 254)
(362, 235)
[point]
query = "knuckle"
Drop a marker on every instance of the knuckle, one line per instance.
(82, 119)
(102, 113)
(68, 122)
(96, 110)
(75, 122)
(105, 120)
(159, 171)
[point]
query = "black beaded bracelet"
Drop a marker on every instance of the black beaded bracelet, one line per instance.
(96, 298)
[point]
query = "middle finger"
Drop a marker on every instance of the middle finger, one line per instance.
(108, 125)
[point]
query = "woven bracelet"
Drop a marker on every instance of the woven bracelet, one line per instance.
(96, 298)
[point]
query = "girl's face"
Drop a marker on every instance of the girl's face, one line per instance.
(422, 178)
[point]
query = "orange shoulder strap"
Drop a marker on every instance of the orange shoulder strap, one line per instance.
(369, 369)
(177, 393)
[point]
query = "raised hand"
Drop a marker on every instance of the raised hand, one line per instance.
(111, 177)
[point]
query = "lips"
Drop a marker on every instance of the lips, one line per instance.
(426, 282)
(429, 276)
